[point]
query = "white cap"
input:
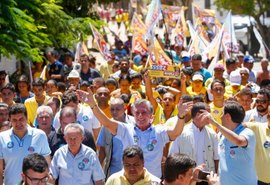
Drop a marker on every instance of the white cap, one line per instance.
(73, 74)
(235, 78)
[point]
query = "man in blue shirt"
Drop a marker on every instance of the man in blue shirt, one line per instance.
(18, 142)
(150, 139)
(236, 147)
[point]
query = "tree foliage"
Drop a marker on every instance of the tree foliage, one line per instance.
(254, 8)
(29, 26)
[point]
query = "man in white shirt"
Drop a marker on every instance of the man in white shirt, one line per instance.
(198, 141)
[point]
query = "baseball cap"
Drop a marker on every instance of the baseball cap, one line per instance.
(197, 77)
(185, 56)
(73, 74)
(219, 66)
(248, 59)
(235, 78)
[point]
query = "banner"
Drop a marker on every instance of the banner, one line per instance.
(171, 14)
(165, 71)
(138, 45)
(229, 38)
(157, 54)
(181, 31)
(80, 50)
(152, 17)
(205, 22)
(102, 45)
(137, 26)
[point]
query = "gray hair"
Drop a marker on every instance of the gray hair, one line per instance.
(76, 126)
(45, 108)
(142, 101)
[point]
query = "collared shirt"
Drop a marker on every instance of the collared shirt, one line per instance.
(187, 143)
(262, 159)
(13, 150)
(56, 140)
(151, 141)
(116, 163)
(253, 116)
(199, 138)
(237, 163)
(82, 169)
(85, 117)
(119, 178)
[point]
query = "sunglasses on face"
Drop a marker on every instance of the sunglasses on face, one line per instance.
(261, 101)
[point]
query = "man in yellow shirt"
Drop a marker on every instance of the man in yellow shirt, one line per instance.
(133, 172)
(39, 99)
(262, 159)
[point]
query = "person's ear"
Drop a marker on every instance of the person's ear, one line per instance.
(23, 177)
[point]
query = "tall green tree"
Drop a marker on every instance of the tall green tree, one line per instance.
(254, 8)
(29, 26)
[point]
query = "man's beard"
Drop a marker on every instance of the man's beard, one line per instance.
(262, 110)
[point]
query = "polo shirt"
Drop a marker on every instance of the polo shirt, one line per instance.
(56, 68)
(151, 141)
(236, 164)
(56, 140)
(253, 116)
(262, 160)
(90, 75)
(119, 178)
(13, 150)
(81, 169)
(85, 117)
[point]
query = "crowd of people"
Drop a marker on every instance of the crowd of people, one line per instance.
(79, 123)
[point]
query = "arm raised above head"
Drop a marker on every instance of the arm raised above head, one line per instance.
(88, 98)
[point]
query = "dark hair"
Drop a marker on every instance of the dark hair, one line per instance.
(265, 92)
(38, 82)
(235, 110)
(197, 57)
(35, 162)
(124, 77)
(178, 82)
(61, 86)
(23, 78)
(69, 97)
(217, 81)
(198, 98)
(125, 98)
(9, 86)
(264, 83)
(111, 81)
(136, 76)
(17, 109)
(230, 61)
(177, 164)
(132, 151)
(186, 98)
(197, 107)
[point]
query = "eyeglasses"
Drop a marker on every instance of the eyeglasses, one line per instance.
(261, 101)
(38, 180)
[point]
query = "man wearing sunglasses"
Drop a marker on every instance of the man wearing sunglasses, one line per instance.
(259, 113)
(35, 170)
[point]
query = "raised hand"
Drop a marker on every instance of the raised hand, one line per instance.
(86, 97)
(184, 108)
